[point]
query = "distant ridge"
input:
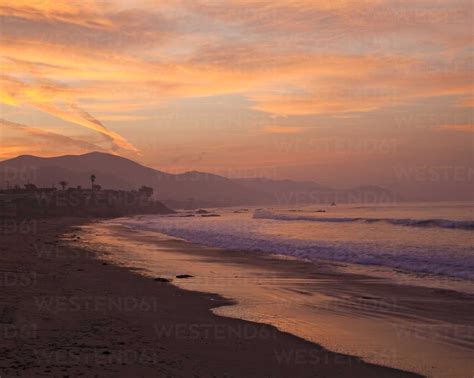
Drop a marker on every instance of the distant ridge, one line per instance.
(190, 189)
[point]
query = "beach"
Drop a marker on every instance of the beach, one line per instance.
(422, 329)
(71, 310)
(66, 311)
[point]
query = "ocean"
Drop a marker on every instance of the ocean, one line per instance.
(427, 239)
(406, 302)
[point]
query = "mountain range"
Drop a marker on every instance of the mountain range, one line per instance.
(184, 190)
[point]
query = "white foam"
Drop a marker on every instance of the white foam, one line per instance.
(441, 223)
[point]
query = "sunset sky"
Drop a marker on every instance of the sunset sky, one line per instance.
(340, 92)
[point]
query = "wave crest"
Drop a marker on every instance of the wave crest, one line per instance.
(441, 223)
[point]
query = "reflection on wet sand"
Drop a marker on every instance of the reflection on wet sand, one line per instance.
(418, 329)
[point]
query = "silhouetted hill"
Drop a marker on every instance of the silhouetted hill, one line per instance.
(115, 172)
(190, 189)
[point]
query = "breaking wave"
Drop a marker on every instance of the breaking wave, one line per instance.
(441, 223)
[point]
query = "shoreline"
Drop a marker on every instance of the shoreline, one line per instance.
(417, 328)
(65, 311)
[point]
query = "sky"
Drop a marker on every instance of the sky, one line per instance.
(340, 92)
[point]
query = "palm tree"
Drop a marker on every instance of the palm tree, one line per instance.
(92, 180)
(146, 190)
(63, 184)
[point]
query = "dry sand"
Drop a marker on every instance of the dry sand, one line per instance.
(64, 312)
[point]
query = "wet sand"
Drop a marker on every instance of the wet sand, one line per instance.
(419, 329)
(66, 311)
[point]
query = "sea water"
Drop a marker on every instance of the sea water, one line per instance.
(432, 239)
(426, 244)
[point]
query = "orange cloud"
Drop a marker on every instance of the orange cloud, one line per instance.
(465, 128)
(72, 113)
(288, 58)
(278, 82)
(86, 13)
(10, 151)
(279, 129)
(49, 137)
(57, 102)
(123, 118)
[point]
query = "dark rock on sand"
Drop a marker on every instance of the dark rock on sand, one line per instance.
(184, 276)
